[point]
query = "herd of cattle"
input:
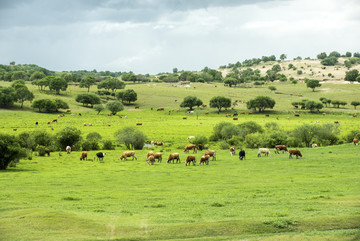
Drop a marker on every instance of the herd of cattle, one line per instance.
(151, 157)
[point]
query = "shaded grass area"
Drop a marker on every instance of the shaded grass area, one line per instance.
(62, 198)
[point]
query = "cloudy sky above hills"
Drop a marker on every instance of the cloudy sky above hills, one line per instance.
(152, 36)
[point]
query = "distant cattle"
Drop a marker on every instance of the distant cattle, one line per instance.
(336, 122)
(206, 113)
(158, 156)
(184, 118)
(172, 157)
(354, 115)
(48, 123)
(110, 114)
(212, 154)
(324, 114)
(137, 107)
(160, 109)
(314, 145)
(263, 151)
(356, 142)
(232, 150)
(243, 113)
(204, 159)
(83, 156)
(150, 160)
(68, 149)
(54, 120)
(242, 155)
(200, 147)
(190, 137)
(227, 115)
(203, 105)
(235, 118)
(297, 153)
(235, 114)
(127, 154)
(36, 123)
(190, 147)
(250, 113)
(139, 124)
(190, 159)
(150, 153)
(280, 148)
(100, 156)
(297, 115)
(267, 115)
(47, 151)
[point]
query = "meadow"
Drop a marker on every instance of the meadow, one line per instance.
(268, 198)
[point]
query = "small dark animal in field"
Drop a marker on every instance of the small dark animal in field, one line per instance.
(242, 155)
(54, 120)
(184, 118)
(83, 156)
(356, 142)
(297, 115)
(47, 151)
(79, 114)
(36, 123)
(48, 122)
(336, 122)
(100, 156)
(139, 124)
(235, 118)
(137, 107)
(297, 153)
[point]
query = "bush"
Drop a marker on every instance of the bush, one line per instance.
(115, 106)
(276, 138)
(41, 150)
(223, 145)
(200, 139)
(69, 136)
(43, 138)
(132, 138)
(254, 140)
(108, 145)
(10, 151)
(89, 145)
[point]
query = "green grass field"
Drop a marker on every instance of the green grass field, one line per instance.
(267, 198)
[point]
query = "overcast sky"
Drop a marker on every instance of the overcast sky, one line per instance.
(152, 36)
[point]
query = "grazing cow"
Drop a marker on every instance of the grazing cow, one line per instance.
(160, 109)
(127, 154)
(36, 123)
(189, 159)
(68, 149)
(242, 155)
(280, 148)
(110, 114)
(204, 159)
(89, 124)
(159, 143)
(100, 156)
(314, 145)
(324, 114)
(294, 152)
(158, 156)
(47, 151)
(354, 115)
(172, 157)
(203, 105)
(267, 115)
(297, 115)
(184, 118)
(200, 147)
(212, 154)
(190, 147)
(263, 151)
(235, 114)
(206, 113)
(150, 160)
(190, 137)
(54, 120)
(232, 150)
(48, 123)
(250, 113)
(150, 153)
(139, 124)
(83, 156)
(137, 107)
(235, 118)
(84, 124)
(356, 142)
(336, 122)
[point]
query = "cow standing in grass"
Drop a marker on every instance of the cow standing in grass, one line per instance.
(279, 148)
(190, 147)
(100, 156)
(127, 154)
(242, 155)
(232, 150)
(68, 149)
(297, 153)
(190, 159)
(212, 154)
(172, 157)
(356, 142)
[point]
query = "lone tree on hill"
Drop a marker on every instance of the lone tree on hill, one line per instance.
(87, 82)
(351, 75)
(220, 102)
(57, 84)
(114, 107)
(191, 101)
(355, 103)
(261, 103)
(313, 83)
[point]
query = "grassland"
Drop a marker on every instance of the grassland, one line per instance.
(268, 198)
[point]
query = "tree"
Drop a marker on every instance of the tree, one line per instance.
(283, 57)
(7, 96)
(37, 75)
(294, 81)
(220, 102)
(87, 82)
(57, 84)
(69, 136)
(114, 107)
(230, 81)
(312, 105)
(23, 94)
(42, 82)
(60, 104)
(261, 103)
(132, 138)
(355, 103)
(98, 108)
(88, 99)
(348, 54)
(335, 54)
(18, 75)
(305, 133)
(48, 105)
(190, 102)
(351, 75)
(68, 77)
(329, 61)
(272, 88)
(10, 150)
(129, 77)
(129, 95)
(111, 84)
(313, 83)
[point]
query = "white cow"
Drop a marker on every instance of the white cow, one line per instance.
(263, 151)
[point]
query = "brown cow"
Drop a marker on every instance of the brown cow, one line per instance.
(211, 153)
(204, 159)
(235, 118)
(54, 120)
(189, 159)
(200, 147)
(280, 148)
(160, 108)
(139, 124)
(137, 107)
(356, 142)
(150, 160)
(158, 156)
(83, 156)
(127, 154)
(297, 153)
(172, 157)
(297, 115)
(150, 153)
(232, 150)
(184, 118)
(189, 147)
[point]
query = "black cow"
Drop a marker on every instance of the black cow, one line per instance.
(100, 156)
(242, 155)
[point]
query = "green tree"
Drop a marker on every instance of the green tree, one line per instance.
(312, 83)
(87, 82)
(68, 77)
(335, 54)
(132, 138)
(60, 104)
(69, 136)
(230, 81)
(10, 150)
(355, 103)
(111, 84)
(42, 83)
(23, 94)
(57, 84)
(329, 61)
(48, 105)
(18, 75)
(272, 88)
(348, 54)
(99, 108)
(129, 95)
(305, 133)
(190, 102)
(7, 96)
(261, 103)
(129, 77)
(220, 102)
(312, 105)
(114, 107)
(283, 57)
(351, 75)
(37, 75)
(88, 99)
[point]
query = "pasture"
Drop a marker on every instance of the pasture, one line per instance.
(268, 198)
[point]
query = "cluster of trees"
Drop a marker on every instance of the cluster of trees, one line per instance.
(49, 105)
(253, 61)
(252, 135)
(333, 56)
(14, 72)
(352, 75)
(308, 105)
(16, 92)
(207, 75)
(54, 83)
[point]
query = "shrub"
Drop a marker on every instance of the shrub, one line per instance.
(200, 139)
(69, 136)
(108, 145)
(89, 145)
(132, 138)
(10, 150)
(276, 138)
(254, 140)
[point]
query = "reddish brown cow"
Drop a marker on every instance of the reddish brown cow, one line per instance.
(83, 156)
(212, 154)
(158, 156)
(54, 120)
(172, 157)
(189, 159)
(356, 142)
(235, 118)
(297, 153)
(184, 118)
(139, 124)
(160, 109)
(200, 147)
(232, 150)
(190, 147)
(204, 159)
(280, 148)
